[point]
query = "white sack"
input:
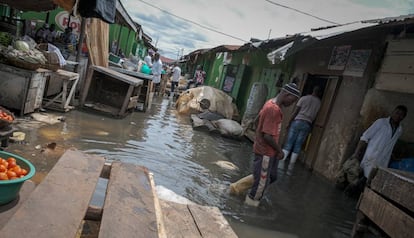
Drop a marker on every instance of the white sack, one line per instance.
(220, 102)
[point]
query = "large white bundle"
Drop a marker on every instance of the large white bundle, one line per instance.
(228, 127)
(220, 102)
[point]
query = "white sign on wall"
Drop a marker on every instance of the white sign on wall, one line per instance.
(62, 19)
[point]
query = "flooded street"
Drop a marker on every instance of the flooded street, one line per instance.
(197, 166)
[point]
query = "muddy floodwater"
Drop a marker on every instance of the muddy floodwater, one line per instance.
(194, 165)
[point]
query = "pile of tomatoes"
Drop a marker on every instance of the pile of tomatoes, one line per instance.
(5, 116)
(9, 169)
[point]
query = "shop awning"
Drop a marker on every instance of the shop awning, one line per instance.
(33, 5)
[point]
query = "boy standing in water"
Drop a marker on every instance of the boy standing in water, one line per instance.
(266, 146)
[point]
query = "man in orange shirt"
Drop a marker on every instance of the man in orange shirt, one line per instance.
(266, 146)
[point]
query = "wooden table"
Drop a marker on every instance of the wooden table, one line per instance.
(110, 92)
(61, 101)
(147, 87)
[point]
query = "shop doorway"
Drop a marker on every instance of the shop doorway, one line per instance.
(329, 87)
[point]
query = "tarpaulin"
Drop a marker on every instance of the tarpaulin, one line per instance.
(65, 4)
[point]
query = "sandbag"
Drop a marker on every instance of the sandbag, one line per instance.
(201, 124)
(220, 102)
(228, 127)
(242, 185)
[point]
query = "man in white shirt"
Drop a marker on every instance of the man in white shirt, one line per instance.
(156, 72)
(374, 148)
(148, 58)
(379, 140)
(176, 74)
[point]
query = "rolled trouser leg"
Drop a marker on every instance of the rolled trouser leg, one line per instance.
(293, 158)
(286, 154)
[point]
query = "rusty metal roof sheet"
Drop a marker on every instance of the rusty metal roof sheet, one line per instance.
(308, 38)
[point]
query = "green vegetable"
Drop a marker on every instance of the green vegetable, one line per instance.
(21, 45)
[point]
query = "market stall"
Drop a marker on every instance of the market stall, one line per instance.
(110, 92)
(22, 89)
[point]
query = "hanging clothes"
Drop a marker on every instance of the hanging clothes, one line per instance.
(102, 9)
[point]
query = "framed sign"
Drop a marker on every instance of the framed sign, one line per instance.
(357, 62)
(339, 57)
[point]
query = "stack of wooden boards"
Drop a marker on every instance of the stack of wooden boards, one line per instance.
(387, 203)
(59, 205)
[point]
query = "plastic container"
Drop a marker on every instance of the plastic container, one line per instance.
(9, 189)
(145, 69)
(406, 164)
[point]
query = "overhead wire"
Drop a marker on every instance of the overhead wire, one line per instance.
(302, 12)
(193, 22)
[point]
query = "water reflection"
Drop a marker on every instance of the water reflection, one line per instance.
(300, 204)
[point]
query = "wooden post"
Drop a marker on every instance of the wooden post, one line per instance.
(81, 39)
(119, 38)
(126, 46)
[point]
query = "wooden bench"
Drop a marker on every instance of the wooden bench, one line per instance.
(61, 203)
(388, 203)
(63, 81)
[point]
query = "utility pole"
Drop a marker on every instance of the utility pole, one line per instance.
(268, 36)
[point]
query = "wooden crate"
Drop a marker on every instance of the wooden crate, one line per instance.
(387, 202)
(60, 204)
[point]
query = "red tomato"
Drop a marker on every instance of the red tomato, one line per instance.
(11, 174)
(3, 168)
(17, 170)
(24, 172)
(12, 164)
(3, 176)
(4, 162)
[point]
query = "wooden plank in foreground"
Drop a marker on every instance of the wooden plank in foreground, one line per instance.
(178, 220)
(129, 209)
(58, 204)
(210, 222)
(7, 211)
(388, 217)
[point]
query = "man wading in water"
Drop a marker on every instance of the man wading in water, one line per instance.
(266, 146)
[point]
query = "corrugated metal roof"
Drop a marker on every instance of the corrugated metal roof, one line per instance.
(390, 19)
(225, 48)
(323, 33)
(337, 30)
